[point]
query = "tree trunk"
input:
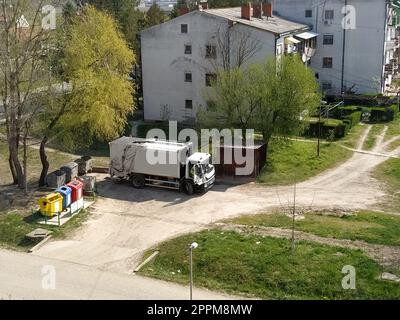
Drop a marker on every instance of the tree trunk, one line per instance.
(45, 162)
(16, 163)
(25, 162)
(12, 169)
(11, 162)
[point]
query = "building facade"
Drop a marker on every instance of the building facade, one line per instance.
(180, 57)
(356, 44)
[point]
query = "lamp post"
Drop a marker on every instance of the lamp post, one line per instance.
(323, 103)
(193, 246)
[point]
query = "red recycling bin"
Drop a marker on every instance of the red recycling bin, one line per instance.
(77, 190)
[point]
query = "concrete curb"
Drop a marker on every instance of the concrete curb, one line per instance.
(140, 266)
(40, 244)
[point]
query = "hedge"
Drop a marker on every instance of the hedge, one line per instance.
(340, 127)
(354, 118)
(383, 114)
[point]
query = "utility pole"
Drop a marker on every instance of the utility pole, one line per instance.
(294, 212)
(319, 134)
(193, 246)
(323, 103)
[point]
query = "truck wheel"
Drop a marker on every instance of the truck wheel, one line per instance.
(188, 188)
(138, 181)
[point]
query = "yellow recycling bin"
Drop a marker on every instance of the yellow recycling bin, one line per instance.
(51, 204)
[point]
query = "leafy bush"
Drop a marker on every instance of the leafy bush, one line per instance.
(354, 118)
(383, 114)
(327, 127)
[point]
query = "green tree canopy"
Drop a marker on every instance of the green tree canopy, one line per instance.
(97, 62)
(273, 98)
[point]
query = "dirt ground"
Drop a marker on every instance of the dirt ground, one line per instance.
(125, 221)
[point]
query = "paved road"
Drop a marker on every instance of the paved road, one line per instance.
(125, 222)
(21, 278)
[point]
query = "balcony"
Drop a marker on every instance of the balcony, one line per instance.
(392, 44)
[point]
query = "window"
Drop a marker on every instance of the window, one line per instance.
(188, 49)
(329, 15)
(327, 62)
(326, 85)
(211, 52)
(328, 39)
(308, 13)
(184, 28)
(188, 77)
(189, 104)
(210, 79)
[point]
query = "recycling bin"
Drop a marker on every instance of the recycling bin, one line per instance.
(55, 179)
(65, 192)
(51, 204)
(84, 164)
(77, 190)
(71, 171)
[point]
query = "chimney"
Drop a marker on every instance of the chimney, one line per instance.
(204, 5)
(267, 9)
(246, 11)
(257, 13)
(182, 11)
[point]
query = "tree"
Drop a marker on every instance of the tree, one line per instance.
(155, 16)
(289, 93)
(235, 46)
(273, 98)
(96, 64)
(23, 64)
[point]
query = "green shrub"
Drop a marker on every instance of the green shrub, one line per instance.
(348, 110)
(327, 126)
(354, 118)
(383, 114)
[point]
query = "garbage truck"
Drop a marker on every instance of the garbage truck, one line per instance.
(160, 163)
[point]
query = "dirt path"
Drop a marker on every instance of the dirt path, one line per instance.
(379, 140)
(125, 221)
(384, 255)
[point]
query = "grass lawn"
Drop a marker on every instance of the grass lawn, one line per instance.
(265, 267)
(370, 141)
(389, 173)
(393, 128)
(14, 227)
(353, 136)
(56, 159)
(298, 160)
(392, 131)
(372, 227)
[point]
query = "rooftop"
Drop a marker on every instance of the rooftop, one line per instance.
(275, 24)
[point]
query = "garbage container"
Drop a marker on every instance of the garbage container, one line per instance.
(71, 171)
(51, 204)
(77, 190)
(65, 192)
(89, 185)
(84, 165)
(55, 179)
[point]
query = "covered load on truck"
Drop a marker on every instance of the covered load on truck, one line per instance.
(161, 163)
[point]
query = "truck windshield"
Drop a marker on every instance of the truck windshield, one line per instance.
(207, 168)
(199, 170)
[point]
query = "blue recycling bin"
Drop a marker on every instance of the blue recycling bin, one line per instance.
(66, 192)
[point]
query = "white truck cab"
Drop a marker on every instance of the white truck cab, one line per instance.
(200, 170)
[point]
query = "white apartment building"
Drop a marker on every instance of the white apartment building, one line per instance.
(359, 58)
(179, 57)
